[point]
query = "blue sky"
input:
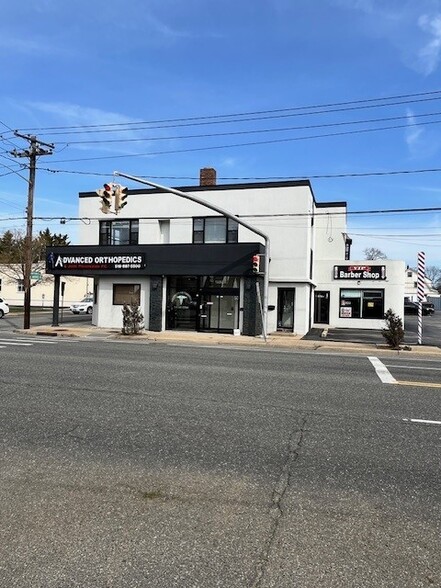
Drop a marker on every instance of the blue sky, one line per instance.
(125, 62)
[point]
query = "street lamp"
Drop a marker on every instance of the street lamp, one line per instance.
(227, 215)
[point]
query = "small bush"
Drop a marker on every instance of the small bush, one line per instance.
(394, 332)
(132, 319)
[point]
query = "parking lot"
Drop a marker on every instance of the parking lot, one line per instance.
(431, 332)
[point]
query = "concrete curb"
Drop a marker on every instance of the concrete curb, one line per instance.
(274, 341)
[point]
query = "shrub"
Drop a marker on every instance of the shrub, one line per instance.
(394, 332)
(132, 319)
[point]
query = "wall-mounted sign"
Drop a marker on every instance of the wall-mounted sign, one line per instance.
(95, 262)
(359, 272)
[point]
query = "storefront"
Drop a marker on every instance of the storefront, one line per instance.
(171, 284)
(189, 267)
(357, 294)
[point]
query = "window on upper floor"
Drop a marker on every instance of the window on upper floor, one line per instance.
(20, 285)
(119, 232)
(215, 229)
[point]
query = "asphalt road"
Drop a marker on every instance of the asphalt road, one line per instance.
(141, 464)
(41, 318)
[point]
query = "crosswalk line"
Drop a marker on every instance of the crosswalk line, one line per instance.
(33, 340)
(382, 372)
(16, 343)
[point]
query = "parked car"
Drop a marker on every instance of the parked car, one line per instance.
(4, 308)
(85, 306)
(412, 308)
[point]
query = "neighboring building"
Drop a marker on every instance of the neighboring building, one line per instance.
(410, 287)
(42, 292)
(190, 268)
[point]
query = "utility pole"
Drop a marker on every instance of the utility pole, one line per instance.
(34, 150)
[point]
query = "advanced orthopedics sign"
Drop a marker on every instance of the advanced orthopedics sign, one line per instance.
(121, 261)
(359, 272)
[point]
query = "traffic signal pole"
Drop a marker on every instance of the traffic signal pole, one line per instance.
(227, 215)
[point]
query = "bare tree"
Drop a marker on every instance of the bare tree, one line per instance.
(12, 253)
(374, 253)
(433, 272)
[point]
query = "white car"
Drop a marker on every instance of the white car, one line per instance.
(4, 308)
(85, 306)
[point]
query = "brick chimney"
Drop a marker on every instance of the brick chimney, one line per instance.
(207, 176)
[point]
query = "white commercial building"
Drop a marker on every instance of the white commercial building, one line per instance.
(190, 268)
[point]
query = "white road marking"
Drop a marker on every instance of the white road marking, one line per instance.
(422, 421)
(32, 340)
(9, 342)
(382, 372)
(413, 367)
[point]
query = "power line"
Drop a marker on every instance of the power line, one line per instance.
(423, 210)
(254, 131)
(260, 178)
(246, 144)
(419, 97)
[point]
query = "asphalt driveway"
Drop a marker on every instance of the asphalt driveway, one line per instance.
(431, 332)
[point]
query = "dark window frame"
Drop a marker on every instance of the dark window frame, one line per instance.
(199, 229)
(106, 232)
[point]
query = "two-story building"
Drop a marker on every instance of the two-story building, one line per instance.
(190, 268)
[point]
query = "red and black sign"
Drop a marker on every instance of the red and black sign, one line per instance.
(359, 272)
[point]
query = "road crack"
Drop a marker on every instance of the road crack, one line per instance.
(294, 444)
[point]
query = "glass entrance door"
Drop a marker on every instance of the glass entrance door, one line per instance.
(219, 312)
(285, 309)
(321, 307)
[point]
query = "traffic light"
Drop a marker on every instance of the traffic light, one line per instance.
(256, 264)
(120, 197)
(106, 195)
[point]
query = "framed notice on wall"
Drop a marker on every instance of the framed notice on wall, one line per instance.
(345, 312)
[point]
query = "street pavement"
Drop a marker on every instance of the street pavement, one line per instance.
(176, 464)
(349, 340)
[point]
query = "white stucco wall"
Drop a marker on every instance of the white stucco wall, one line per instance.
(290, 236)
(329, 233)
(105, 313)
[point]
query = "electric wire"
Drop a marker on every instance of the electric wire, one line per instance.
(245, 144)
(253, 131)
(424, 210)
(260, 178)
(297, 111)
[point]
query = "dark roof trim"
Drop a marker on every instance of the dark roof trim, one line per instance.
(331, 204)
(217, 187)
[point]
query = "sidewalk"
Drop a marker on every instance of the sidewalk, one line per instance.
(274, 340)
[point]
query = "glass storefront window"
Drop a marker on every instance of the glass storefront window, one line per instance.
(364, 304)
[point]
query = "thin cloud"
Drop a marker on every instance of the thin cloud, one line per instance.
(414, 29)
(413, 132)
(165, 30)
(67, 114)
(430, 54)
(26, 46)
